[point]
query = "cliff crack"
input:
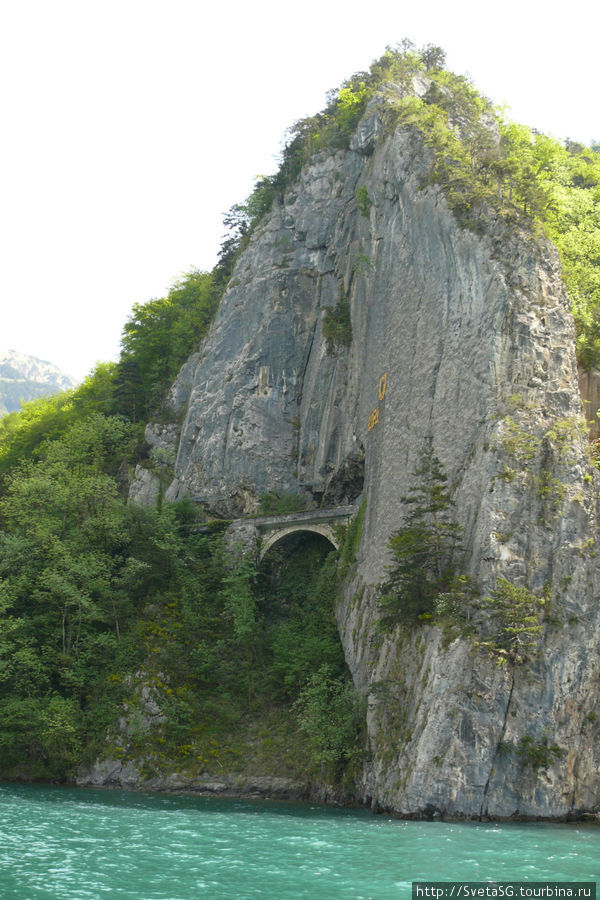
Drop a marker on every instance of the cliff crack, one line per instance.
(483, 807)
(302, 377)
(308, 354)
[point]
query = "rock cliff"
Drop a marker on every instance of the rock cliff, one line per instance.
(459, 340)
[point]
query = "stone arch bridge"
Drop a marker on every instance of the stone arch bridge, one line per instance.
(258, 535)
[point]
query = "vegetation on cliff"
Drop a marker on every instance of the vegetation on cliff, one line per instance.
(426, 551)
(337, 324)
(426, 584)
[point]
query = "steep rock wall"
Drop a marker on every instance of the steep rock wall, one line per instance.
(589, 386)
(460, 341)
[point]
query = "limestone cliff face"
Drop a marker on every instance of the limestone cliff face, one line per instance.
(459, 340)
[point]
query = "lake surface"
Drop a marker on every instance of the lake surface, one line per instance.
(62, 843)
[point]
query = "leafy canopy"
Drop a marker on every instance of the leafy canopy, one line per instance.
(157, 339)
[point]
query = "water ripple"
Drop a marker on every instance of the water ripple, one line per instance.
(60, 844)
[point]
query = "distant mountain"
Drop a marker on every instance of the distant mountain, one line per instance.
(25, 378)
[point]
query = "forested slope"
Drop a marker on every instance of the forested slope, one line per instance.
(111, 610)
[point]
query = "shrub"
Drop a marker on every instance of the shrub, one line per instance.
(363, 201)
(275, 504)
(537, 754)
(330, 714)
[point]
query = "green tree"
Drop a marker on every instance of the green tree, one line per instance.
(517, 614)
(426, 549)
(158, 338)
(331, 715)
(433, 57)
(240, 608)
(47, 419)
(129, 393)
(40, 738)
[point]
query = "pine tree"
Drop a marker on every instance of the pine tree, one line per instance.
(426, 549)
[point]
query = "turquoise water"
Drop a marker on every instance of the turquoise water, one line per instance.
(61, 843)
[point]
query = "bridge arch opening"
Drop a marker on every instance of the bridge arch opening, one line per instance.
(272, 540)
(290, 576)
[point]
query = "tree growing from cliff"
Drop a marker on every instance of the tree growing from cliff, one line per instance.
(426, 551)
(517, 613)
(337, 324)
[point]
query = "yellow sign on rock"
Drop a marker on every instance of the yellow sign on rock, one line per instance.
(374, 417)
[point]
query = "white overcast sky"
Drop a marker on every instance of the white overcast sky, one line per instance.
(128, 127)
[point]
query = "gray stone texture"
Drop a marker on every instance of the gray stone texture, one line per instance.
(589, 385)
(476, 339)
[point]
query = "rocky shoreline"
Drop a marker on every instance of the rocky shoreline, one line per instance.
(113, 774)
(118, 775)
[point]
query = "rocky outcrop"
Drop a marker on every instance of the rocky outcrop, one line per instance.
(461, 342)
(114, 773)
